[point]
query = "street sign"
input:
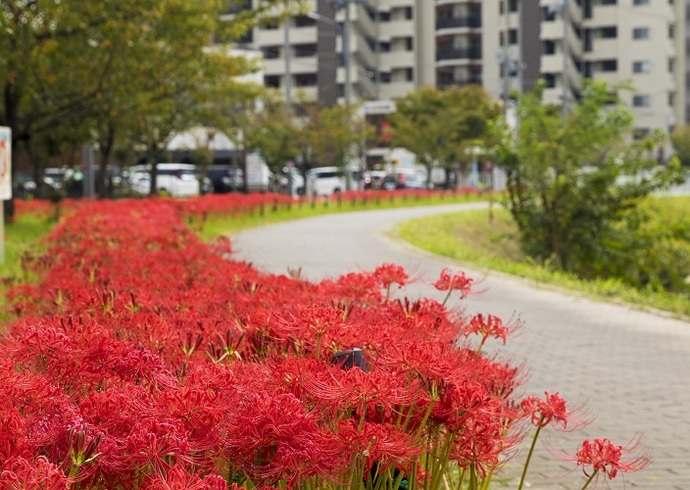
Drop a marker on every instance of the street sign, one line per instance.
(5, 163)
(378, 107)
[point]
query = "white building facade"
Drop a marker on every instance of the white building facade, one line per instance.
(353, 50)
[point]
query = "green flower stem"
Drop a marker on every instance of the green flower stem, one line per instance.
(591, 478)
(529, 455)
(445, 300)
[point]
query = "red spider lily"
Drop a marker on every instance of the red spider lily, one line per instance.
(552, 409)
(542, 412)
(488, 326)
(601, 456)
(361, 287)
(180, 478)
(189, 365)
(380, 445)
(484, 437)
(454, 282)
(389, 274)
(273, 436)
(19, 472)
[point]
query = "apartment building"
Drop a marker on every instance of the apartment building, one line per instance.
(352, 50)
(638, 41)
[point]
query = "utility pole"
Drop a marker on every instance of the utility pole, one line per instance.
(566, 55)
(288, 58)
(346, 53)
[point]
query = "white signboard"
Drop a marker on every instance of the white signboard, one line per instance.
(5, 163)
(379, 107)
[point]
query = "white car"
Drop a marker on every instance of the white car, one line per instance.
(173, 179)
(324, 181)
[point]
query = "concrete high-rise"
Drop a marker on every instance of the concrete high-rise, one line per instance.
(391, 47)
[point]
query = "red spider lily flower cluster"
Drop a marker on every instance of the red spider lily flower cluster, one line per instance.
(552, 409)
(486, 326)
(145, 358)
(454, 282)
(599, 457)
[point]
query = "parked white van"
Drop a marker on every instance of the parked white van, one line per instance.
(173, 179)
(324, 181)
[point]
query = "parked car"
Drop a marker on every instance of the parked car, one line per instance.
(173, 179)
(291, 182)
(324, 181)
(225, 178)
(373, 179)
(54, 178)
(403, 179)
(23, 186)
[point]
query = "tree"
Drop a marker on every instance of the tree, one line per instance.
(274, 132)
(575, 185)
(440, 126)
(82, 65)
(334, 134)
(680, 138)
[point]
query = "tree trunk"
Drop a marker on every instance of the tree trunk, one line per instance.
(102, 188)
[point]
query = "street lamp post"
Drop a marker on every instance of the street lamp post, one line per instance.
(288, 71)
(566, 54)
(347, 59)
(346, 53)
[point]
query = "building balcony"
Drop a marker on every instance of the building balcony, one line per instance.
(454, 2)
(448, 53)
(450, 81)
(470, 21)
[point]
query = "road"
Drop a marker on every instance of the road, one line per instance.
(630, 367)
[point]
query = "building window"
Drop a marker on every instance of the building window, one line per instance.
(409, 44)
(272, 81)
(512, 36)
(548, 14)
(409, 74)
(641, 33)
(608, 32)
(639, 133)
(672, 31)
(640, 2)
(385, 76)
(305, 80)
(671, 99)
(384, 16)
(641, 66)
(271, 52)
(609, 2)
(512, 5)
(548, 47)
(608, 65)
(641, 100)
(305, 50)
(671, 65)
(408, 13)
(384, 46)
(587, 69)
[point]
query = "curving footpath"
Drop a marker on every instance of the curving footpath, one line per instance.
(632, 368)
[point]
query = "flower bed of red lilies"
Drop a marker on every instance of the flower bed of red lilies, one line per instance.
(147, 359)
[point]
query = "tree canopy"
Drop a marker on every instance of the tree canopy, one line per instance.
(87, 71)
(440, 126)
(680, 138)
(575, 185)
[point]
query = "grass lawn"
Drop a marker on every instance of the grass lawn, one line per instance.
(478, 240)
